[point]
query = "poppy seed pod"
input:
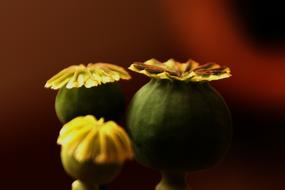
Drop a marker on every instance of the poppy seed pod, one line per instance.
(93, 151)
(178, 122)
(91, 89)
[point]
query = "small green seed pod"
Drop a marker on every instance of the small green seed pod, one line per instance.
(178, 122)
(93, 151)
(91, 89)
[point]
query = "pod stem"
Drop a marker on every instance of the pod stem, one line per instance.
(79, 185)
(173, 180)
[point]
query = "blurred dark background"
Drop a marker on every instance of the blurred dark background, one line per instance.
(38, 38)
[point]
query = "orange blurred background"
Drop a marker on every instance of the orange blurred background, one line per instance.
(38, 38)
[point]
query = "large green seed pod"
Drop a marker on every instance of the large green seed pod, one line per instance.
(93, 151)
(90, 89)
(177, 121)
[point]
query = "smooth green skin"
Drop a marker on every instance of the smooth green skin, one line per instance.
(89, 172)
(179, 126)
(105, 100)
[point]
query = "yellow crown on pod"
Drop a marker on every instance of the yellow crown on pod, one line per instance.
(190, 71)
(93, 74)
(86, 138)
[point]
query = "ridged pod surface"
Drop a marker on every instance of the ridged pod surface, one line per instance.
(93, 151)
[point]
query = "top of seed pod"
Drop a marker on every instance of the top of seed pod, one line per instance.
(93, 74)
(189, 71)
(88, 139)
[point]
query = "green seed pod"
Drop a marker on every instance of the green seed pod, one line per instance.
(93, 151)
(91, 89)
(177, 121)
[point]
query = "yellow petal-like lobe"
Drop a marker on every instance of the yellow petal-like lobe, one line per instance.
(189, 71)
(86, 138)
(92, 75)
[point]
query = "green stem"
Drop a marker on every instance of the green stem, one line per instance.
(173, 181)
(79, 185)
